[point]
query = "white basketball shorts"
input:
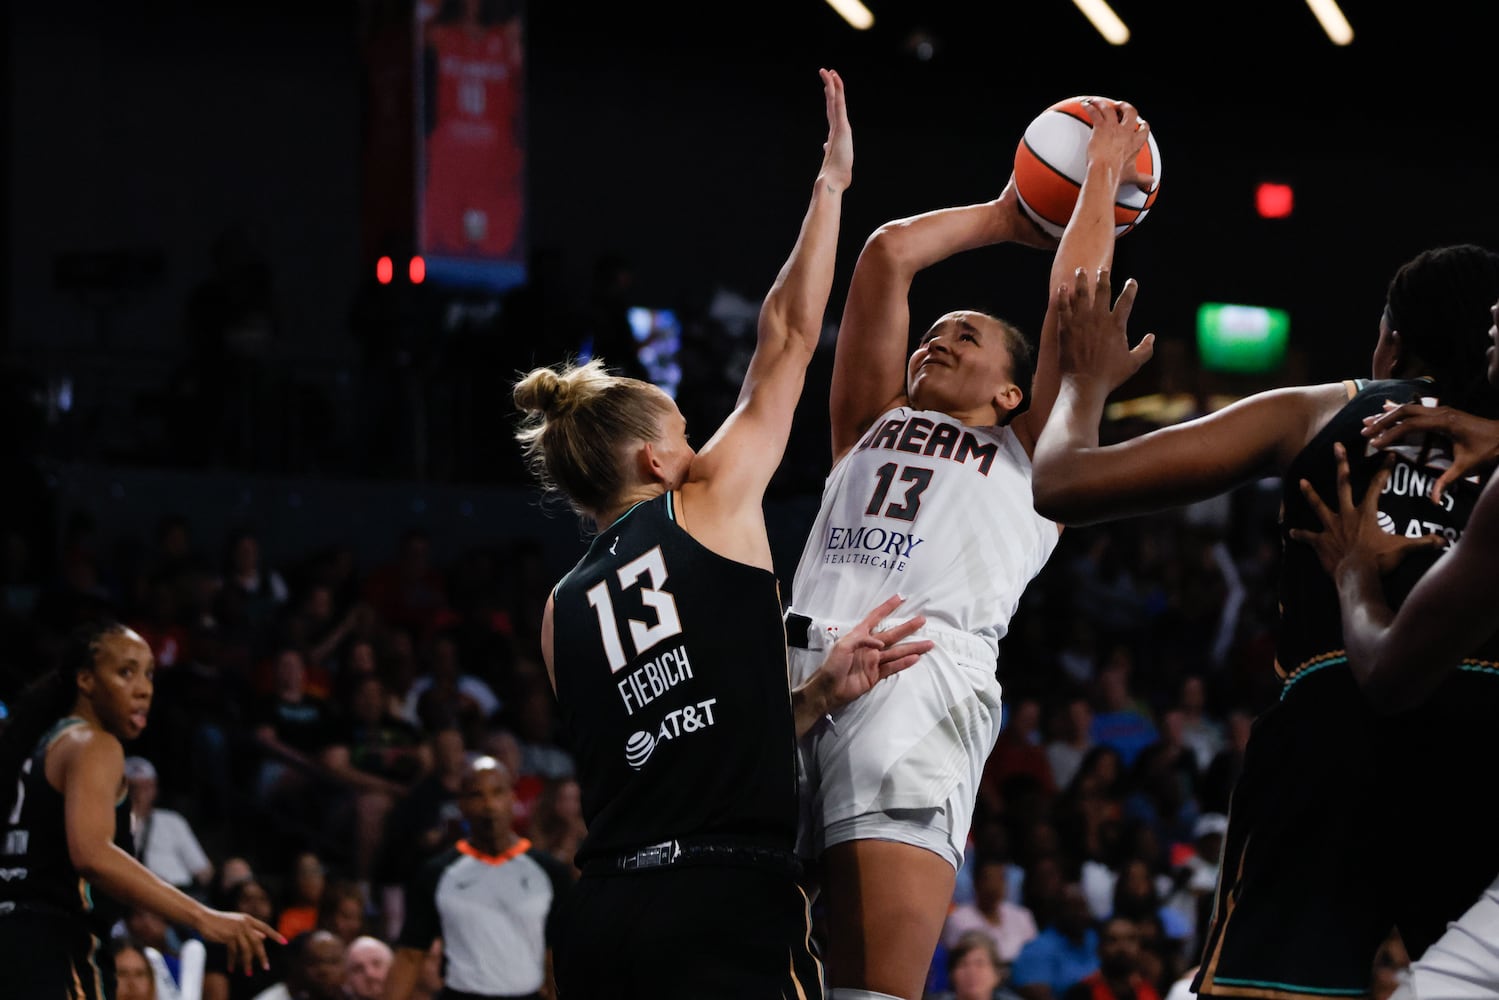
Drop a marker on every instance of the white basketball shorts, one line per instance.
(903, 762)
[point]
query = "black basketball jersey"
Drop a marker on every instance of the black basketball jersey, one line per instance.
(36, 872)
(672, 679)
(1311, 629)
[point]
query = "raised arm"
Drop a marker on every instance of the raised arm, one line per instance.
(738, 462)
(1087, 242)
(869, 361)
(1400, 657)
(1077, 481)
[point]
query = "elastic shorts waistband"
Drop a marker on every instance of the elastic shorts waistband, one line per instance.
(805, 632)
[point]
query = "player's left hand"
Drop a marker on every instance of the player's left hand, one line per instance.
(1092, 335)
(863, 657)
(1353, 532)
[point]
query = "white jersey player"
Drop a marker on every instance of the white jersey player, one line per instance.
(930, 498)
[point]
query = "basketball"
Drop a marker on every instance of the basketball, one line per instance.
(1052, 160)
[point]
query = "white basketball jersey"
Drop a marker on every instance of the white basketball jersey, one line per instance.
(931, 509)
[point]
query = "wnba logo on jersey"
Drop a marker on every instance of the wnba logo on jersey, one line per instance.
(691, 719)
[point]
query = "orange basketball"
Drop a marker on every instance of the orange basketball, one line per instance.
(1052, 160)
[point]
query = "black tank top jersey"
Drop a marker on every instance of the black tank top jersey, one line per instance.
(1311, 630)
(671, 673)
(36, 872)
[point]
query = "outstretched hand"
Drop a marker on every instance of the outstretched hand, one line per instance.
(242, 935)
(1475, 441)
(863, 657)
(838, 151)
(1353, 534)
(1094, 337)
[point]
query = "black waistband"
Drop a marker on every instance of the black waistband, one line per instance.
(797, 627)
(449, 994)
(676, 853)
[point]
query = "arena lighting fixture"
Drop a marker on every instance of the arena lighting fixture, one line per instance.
(854, 12)
(1330, 16)
(1103, 18)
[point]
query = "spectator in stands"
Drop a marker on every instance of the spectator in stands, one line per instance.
(1078, 655)
(429, 981)
(1218, 783)
(1010, 925)
(536, 725)
(1071, 739)
(504, 746)
(291, 728)
(410, 592)
(1017, 751)
(309, 879)
(222, 983)
(975, 970)
(377, 758)
(1090, 810)
(164, 841)
(1122, 720)
(315, 972)
(232, 872)
(1163, 783)
(446, 690)
(366, 965)
(1196, 877)
(1199, 731)
(341, 911)
(150, 930)
(1118, 974)
(557, 825)
(134, 978)
(1060, 956)
(262, 591)
(1137, 898)
(421, 824)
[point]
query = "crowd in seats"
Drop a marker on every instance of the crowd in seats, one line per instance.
(312, 718)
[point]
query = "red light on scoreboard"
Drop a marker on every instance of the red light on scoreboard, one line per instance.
(1274, 201)
(384, 270)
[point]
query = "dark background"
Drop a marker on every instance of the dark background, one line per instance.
(682, 142)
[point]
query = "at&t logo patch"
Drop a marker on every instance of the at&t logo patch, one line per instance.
(690, 719)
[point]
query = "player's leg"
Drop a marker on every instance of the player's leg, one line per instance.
(886, 905)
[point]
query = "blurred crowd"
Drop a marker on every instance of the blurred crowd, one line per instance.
(311, 720)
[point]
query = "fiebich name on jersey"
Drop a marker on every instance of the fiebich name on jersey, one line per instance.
(645, 684)
(923, 436)
(875, 546)
(688, 719)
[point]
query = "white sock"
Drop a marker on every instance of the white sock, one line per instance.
(843, 993)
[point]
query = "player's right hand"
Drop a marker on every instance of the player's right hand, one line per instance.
(243, 936)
